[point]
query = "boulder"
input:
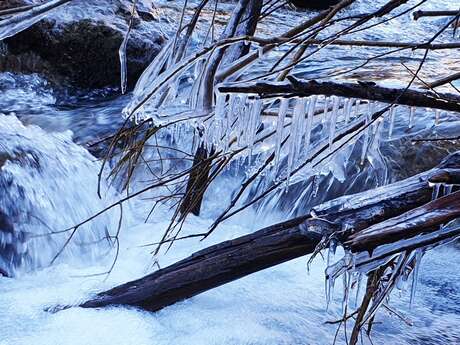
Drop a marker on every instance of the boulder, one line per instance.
(78, 44)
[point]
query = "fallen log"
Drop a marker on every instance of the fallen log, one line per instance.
(234, 259)
(370, 91)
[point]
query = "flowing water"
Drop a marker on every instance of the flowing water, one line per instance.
(49, 182)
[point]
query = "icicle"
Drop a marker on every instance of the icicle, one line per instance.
(302, 124)
(436, 188)
(330, 279)
(411, 117)
(260, 52)
(326, 109)
(392, 121)
(294, 138)
(333, 122)
(219, 118)
(219, 111)
(254, 124)
(437, 115)
(346, 288)
(370, 111)
(230, 119)
(447, 189)
(310, 115)
(232, 109)
(279, 130)
(123, 68)
(377, 133)
(347, 109)
(357, 106)
(122, 53)
(418, 258)
(242, 119)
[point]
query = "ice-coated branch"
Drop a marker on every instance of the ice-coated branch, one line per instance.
(17, 23)
(383, 44)
(362, 90)
(444, 80)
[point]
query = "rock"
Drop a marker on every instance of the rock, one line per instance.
(78, 44)
(7, 4)
(314, 4)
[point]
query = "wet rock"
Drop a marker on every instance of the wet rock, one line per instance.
(406, 158)
(78, 44)
(7, 4)
(314, 4)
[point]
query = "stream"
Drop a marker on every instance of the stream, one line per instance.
(50, 183)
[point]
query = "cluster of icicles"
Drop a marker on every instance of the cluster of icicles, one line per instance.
(353, 267)
(239, 124)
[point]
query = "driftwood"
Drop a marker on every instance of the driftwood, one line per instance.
(368, 91)
(231, 260)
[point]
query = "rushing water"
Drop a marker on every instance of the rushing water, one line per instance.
(50, 183)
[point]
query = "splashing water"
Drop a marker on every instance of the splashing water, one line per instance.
(43, 175)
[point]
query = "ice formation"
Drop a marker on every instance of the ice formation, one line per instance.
(19, 22)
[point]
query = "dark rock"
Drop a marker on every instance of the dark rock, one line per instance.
(314, 4)
(7, 4)
(82, 50)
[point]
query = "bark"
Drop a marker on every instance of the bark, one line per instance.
(361, 90)
(196, 183)
(234, 259)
